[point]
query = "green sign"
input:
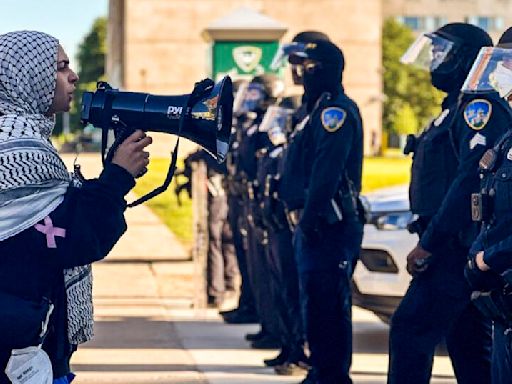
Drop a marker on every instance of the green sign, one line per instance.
(242, 60)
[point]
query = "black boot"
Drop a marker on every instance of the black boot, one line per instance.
(255, 336)
(278, 360)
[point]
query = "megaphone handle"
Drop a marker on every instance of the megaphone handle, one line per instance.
(121, 133)
(200, 89)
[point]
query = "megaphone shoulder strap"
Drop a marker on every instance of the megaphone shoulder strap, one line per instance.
(200, 89)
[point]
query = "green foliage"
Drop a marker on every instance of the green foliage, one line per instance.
(91, 65)
(405, 120)
(177, 218)
(406, 88)
(380, 172)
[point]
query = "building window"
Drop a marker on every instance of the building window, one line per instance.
(434, 22)
(416, 23)
(488, 23)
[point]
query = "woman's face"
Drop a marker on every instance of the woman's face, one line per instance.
(66, 80)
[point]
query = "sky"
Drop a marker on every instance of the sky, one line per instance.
(67, 20)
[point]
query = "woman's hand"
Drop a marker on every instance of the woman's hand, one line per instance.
(131, 155)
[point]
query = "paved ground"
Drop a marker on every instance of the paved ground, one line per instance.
(147, 331)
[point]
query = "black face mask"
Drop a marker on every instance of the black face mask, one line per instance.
(325, 79)
(450, 76)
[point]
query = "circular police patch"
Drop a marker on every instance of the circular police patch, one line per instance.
(477, 114)
(333, 118)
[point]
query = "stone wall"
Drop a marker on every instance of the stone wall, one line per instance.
(164, 52)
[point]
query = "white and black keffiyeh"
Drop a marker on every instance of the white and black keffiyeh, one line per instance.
(33, 177)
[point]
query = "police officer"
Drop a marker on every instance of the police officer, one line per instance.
(329, 233)
(436, 304)
(291, 359)
(221, 263)
(489, 269)
(283, 270)
(258, 95)
(245, 312)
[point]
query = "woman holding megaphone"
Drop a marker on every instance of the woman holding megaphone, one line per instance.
(52, 225)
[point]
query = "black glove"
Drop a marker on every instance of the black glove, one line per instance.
(479, 280)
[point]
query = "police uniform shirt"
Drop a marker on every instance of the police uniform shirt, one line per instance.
(291, 169)
(429, 181)
(333, 146)
(482, 121)
(495, 238)
(252, 141)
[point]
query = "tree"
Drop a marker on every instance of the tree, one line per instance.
(407, 89)
(91, 65)
(405, 120)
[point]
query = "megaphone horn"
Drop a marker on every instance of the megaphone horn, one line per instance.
(207, 123)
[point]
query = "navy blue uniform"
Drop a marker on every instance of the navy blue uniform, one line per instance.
(221, 263)
(256, 236)
(437, 303)
(327, 239)
(281, 258)
(236, 188)
(495, 239)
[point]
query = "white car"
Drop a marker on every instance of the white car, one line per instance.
(380, 278)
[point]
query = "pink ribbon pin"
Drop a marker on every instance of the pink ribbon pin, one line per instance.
(50, 231)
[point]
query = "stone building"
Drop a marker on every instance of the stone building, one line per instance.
(164, 46)
(425, 15)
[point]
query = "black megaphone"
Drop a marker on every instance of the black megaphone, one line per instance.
(204, 116)
(207, 113)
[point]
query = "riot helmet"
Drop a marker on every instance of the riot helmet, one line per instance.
(322, 63)
(492, 69)
(277, 123)
(298, 43)
(447, 53)
(256, 95)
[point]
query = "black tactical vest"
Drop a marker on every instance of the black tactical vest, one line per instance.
(434, 164)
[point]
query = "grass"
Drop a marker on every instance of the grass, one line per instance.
(165, 206)
(378, 172)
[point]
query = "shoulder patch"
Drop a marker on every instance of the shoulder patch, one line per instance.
(477, 113)
(333, 118)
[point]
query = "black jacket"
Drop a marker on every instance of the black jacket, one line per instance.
(93, 218)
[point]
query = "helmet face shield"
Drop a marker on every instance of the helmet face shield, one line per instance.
(281, 57)
(248, 98)
(276, 122)
(491, 71)
(428, 52)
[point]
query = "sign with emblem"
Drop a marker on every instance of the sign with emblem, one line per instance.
(242, 60)
(247, 57)
(477, 113)
(333, 118)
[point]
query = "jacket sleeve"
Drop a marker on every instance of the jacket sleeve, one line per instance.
(331, 150)
(499, 256)
(93, 217)
(454, 214)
